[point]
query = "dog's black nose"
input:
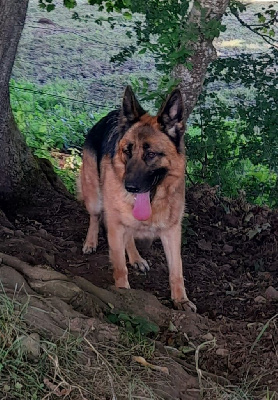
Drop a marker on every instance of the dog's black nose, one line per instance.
(132, 188)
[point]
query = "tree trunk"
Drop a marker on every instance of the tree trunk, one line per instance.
(203, 53)
(21, 173)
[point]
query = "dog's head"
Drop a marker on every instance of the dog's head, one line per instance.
(149, 145)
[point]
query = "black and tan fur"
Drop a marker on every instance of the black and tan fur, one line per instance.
(130, 152)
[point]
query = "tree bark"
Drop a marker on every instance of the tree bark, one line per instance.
(14, 152)
(191, 81)
(21, 173)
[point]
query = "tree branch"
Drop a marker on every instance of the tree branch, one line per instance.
(266, 38)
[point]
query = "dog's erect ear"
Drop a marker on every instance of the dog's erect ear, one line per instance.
(131, 109)
(171, 117)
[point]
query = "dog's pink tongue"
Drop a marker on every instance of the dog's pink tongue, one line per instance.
(142, 207)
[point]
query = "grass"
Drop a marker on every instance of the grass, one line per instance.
(18, 378)
(264, 328)
(69, 367)
(56, 125)
(214, 391)
(79, 52)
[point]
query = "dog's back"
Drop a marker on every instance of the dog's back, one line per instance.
(102, 138)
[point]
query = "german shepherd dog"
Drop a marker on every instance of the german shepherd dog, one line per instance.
(134, 170)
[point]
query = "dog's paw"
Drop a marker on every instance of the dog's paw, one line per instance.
(88, 249)
(142, 265)
(185, 305)
(122, 283)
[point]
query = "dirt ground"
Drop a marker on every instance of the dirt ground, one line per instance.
(230, 264)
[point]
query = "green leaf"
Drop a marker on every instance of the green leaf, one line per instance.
(127, 15)
(134, 324)
(113, 318)
(50, 7)
(75, 16)
(70, 3)
(18, 386)
(261, 18)
(142, 51)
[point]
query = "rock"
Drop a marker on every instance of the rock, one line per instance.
(18, 233)
(273, 267)
(204, 245)
(271, 293)
(231, 220)
(42, 232)
(207, 337)
(172, 351)
(50, 258)
(73, 249)
(260, 300)
(226, 267)
(222, 352)
(46, 21)
(227, 249)
(31, 345)
(7, 231)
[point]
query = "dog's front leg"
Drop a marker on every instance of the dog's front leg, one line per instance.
(116, 240)
(171, 240)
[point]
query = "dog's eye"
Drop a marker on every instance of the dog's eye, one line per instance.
(127, 152)
(151, 155)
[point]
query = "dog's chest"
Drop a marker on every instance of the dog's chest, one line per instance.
(143, 229)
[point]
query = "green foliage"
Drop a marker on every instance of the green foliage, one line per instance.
(48, 5)
(70, 3)
(233, 143)
(70, 170)
(212, 28)
(142, 87)
(53, 124)
(164, 31)
(167, 33)
(135, 325)
(236, 6)
(267, 19)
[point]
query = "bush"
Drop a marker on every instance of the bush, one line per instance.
(51, 120)
(233, 138)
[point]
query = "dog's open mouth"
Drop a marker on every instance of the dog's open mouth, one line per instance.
(142, 206)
